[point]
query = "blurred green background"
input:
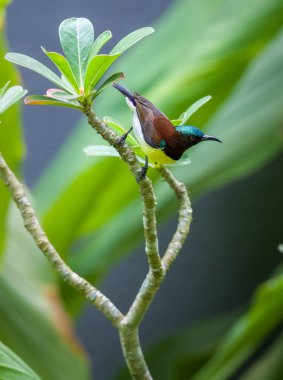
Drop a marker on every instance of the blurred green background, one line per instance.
(219, 313)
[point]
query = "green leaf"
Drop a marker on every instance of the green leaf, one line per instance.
(131, 39)
(38, 100)
(96, 69)
(101, 150)
(280, 248)
(270, 366)
(101, 40)
(265, 315)
(64, 67)
(76, 37)
(176, 122)
(193, 108)
(10, 97)
(113, 78)
(32, 64)
(32, 318)
(61, 95)
(12, 367)
(118, 127)
(106, 151)
(11, 142)
(3, 89)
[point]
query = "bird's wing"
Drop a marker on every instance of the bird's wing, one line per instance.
(156, 127)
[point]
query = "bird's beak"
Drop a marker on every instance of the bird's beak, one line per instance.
(207, 137)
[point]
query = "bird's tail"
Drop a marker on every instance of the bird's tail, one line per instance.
(125, 92)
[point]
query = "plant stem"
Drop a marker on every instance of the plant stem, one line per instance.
(184, 221)
(33, 226)
(129, 338)
(145, 186)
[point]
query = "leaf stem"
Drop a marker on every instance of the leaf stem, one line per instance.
(33, 226)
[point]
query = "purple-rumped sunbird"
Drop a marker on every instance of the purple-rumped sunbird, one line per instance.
(159, 139)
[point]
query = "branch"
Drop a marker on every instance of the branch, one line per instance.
(33, 226)
(185, 218)
(151, 284)
(145, 187)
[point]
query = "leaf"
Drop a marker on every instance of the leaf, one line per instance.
(31, 312)
(61, 95)
(10, 97)
(101, 40)
(265, 315)
(76, 37)
(131, 39)
(32, 64)
(101, 150)
(12, 367)
(176, 122)
(193, 108)
(11, 142)
(106, 151)
(63, 65)
(116, 126)
(38, 100)
(113, 78)
(96, 69)
(3, 89)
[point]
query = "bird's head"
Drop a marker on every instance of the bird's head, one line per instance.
(193, 135)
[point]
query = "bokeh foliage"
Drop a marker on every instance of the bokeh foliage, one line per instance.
(231, 50)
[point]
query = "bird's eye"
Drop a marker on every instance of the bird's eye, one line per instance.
(193, 138)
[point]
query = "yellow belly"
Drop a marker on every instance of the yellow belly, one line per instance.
(156, 156)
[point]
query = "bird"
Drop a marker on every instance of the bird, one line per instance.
(161, 141)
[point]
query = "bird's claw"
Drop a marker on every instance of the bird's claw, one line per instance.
(142, 174)
(122, 139)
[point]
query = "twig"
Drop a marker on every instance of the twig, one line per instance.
(145, 186)
(33, 226)
(185, 218)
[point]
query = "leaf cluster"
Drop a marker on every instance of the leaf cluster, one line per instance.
(81, 67)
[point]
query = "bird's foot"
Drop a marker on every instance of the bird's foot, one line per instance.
(123, 138)
(143, 172)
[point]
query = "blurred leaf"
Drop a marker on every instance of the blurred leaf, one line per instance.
(64, 67)
(268, 367)
(131, 39)
(116, 126)
(265, 314)
(11, 144)
(76, 37)
(10, 97)
(242, 67)
(38, 100)
(3, 89)
(99, 43)
(96, 69)
(193, 108)
(101, 150)
(280, 247)
(32, 64)
(33, 322)
(12, 367)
